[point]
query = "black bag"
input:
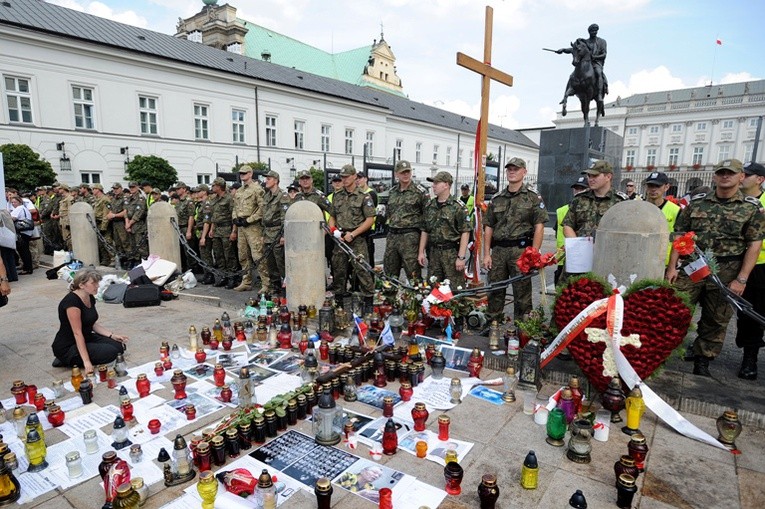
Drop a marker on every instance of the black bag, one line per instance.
(24, 225)
(141, 295)
(3, 300)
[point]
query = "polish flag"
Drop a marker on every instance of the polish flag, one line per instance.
(362, 327)
(697, 270)
(719, 42)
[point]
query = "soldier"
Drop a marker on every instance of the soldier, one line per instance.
(352, 215)
(116, 216)
(329, 245)
(445, 233)
(657, 185)
(362, 182)
(515, 219)
(50, 231)
(749, 332)
(275, 204)
(579, 186)
(184, 209)
(202, 223)
(406, 207)
(223, 233)
(135, 225)
(310, 193)
(101, 211)
(248, 218)
(65, 202)
(84, 194)
(732, 227)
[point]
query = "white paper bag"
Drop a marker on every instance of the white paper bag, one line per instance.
(579, 252)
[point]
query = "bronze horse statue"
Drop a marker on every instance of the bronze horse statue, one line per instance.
(583, 82)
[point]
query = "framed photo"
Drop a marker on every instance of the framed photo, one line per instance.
(456, 358)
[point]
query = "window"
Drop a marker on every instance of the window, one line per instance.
(147, 109)
(369, 145)
(677, 128)
(195, 36)
(632, 131)
(752, 124)
(270, 130)
(674, 156)
(629, 160)
(471, 160)
(650, 158)
(748, 149)
(698, 155)
(701, 126)
(397, 150)
(90, 178)
(723, 153)
(234, 48)
(418, 152)
(299, 134)
(203, 178)
(654, 129)
(83, 107)
(326, 131)
(237, 126)
(348, 141)
(201, 130)
(727, 124)
(435, 154)
(19, 99)
(459, 158)
(448, 156)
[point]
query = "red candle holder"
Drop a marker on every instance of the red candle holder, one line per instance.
(179, 384)
(226, 394)
(406, 391)
(191, 412)
(31, 392)
(143, 385)
(19, 391)
(453, 474)
(420, 415)
(102, 371)
(56, 416)
(159, 369)
(227, 344)
(39, 401)
(213, 344)
(154, 426)
(167, 363)
(126, 409)
(389, 438)
(387, 406)
(200, 356)
(219, 375)
(443, 427)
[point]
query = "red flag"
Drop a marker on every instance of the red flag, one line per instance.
(719, 42)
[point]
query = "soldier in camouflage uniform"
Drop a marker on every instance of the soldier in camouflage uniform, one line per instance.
(184, 209)
(275, 204)
(116, 216)
(135, 225)
(65, 202)
(445, 233)
(100, 211)
(248, 218)
(405, 210)
(202, 227)
(84, 194)
(514, 221)
(310, 193)
(47, 204)
(732, 227)
(352, 215)
(223, 233)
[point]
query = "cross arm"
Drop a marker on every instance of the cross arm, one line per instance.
(484, 69)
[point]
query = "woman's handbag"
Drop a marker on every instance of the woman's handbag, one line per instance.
(24, 225)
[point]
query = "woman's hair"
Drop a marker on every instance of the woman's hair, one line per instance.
(84, 276)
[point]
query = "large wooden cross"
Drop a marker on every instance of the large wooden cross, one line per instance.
(487, 73)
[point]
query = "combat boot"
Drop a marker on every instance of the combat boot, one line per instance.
(223, 282)
(243, 287)
(208, 279)
(232, 282)
(748, 369)
(701, 366)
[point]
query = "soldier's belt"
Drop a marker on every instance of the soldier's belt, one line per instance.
(522, 242)
(400, 231)
(118, 220)
(271, 225)
(445, 245)
(731, 258)
(223, 224)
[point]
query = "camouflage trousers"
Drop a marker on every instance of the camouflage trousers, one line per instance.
(103, 254)
(120, 237)
(139, 242)
(442, 264)
(715, 310)
(401, 252)
(271, 269)
(341, 265)
(223, 253)
(503, 267)
(66, 236)
(250, 248)
(52, 235)
(206, 252)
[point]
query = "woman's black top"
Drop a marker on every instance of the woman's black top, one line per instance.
(65, 336)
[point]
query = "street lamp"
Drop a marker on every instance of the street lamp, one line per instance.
(293, 170)
(65, 163)
(125, 151)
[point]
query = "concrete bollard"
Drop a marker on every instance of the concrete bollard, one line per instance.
(84, 239)
(163, 239)
(304, 255)
(632, 238)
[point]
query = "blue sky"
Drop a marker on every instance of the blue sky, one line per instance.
(653, 44)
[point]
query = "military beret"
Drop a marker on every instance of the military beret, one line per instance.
(517, 162)
(348, 170)
(403, 166)
(441, 176)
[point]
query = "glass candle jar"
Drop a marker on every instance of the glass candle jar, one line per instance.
(556, 427)
(91, 441)
(455, 391)
(406, 391)
(73, 464)
(625, 491)
(443, 427)
(389, 438)
(154, 426)
(530, 471)
(59, 391)
(143, 385)
(207, 487)
(140, 487)
(136, 453)
(421, 447)
(638, 450)
(488, 492)
(453, 474)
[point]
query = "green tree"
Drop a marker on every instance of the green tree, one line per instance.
(156, 170)
(25, 169)
(256, 166)
(318, 178)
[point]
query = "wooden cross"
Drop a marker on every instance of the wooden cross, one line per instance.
(487, 73)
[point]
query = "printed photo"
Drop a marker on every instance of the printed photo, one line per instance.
(456, 358)
(486, 394)
(365, 478)
(288, 364)
(200, 371)
(265, 357)
(372, 395)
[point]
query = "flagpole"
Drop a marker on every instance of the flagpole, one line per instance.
(718, 42)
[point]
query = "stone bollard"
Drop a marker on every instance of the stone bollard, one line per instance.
(632, 238)
(84, 239)
(304, 255)
(163, 239)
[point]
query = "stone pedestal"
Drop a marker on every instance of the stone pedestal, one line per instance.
(632, 238)
(163, 239)
(564, 153)
(304, 255)
(84, 239)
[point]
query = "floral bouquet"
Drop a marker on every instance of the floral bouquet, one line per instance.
(532, 259)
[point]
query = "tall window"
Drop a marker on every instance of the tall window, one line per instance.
(237, 126)
(399, 146)
(201, 122)
(723, 153)
(299, 134)
(435, 154)
(654, 129)
(326, 130)
(370, 143)
(19, 99)
(448, 156)
(84, 107)
(270, 130)
(698, 155)
(418, 152)
(348, 141)
(674, 156)
(629, 160)
(460, 160)
(748, 149)
(752, 124)
(470, 162)
(147, 110)
(650, 158)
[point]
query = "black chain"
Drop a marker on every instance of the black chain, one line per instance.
(132, 255)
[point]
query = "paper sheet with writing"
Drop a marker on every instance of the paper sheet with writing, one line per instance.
(98, 418)
(59, 473)
(34, 485)
(579, 253)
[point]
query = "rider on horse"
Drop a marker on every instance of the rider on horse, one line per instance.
(598, 52)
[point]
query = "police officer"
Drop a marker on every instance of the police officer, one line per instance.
(579, 186)
(185, 209)
(445, 233)
(749, 332)
(116, 216)
(248, 218)
(275, 204)
(223, 233)
(657, 185)
(100, 211)
(353, 213)
(732, 227)
(405, 210)
(135, 225)
(515, 220)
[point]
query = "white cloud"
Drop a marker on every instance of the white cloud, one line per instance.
(104, 11)
(644, 81)
(737, 77)
(502, 109)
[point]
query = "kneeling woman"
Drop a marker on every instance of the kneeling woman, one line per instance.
(80, 340)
